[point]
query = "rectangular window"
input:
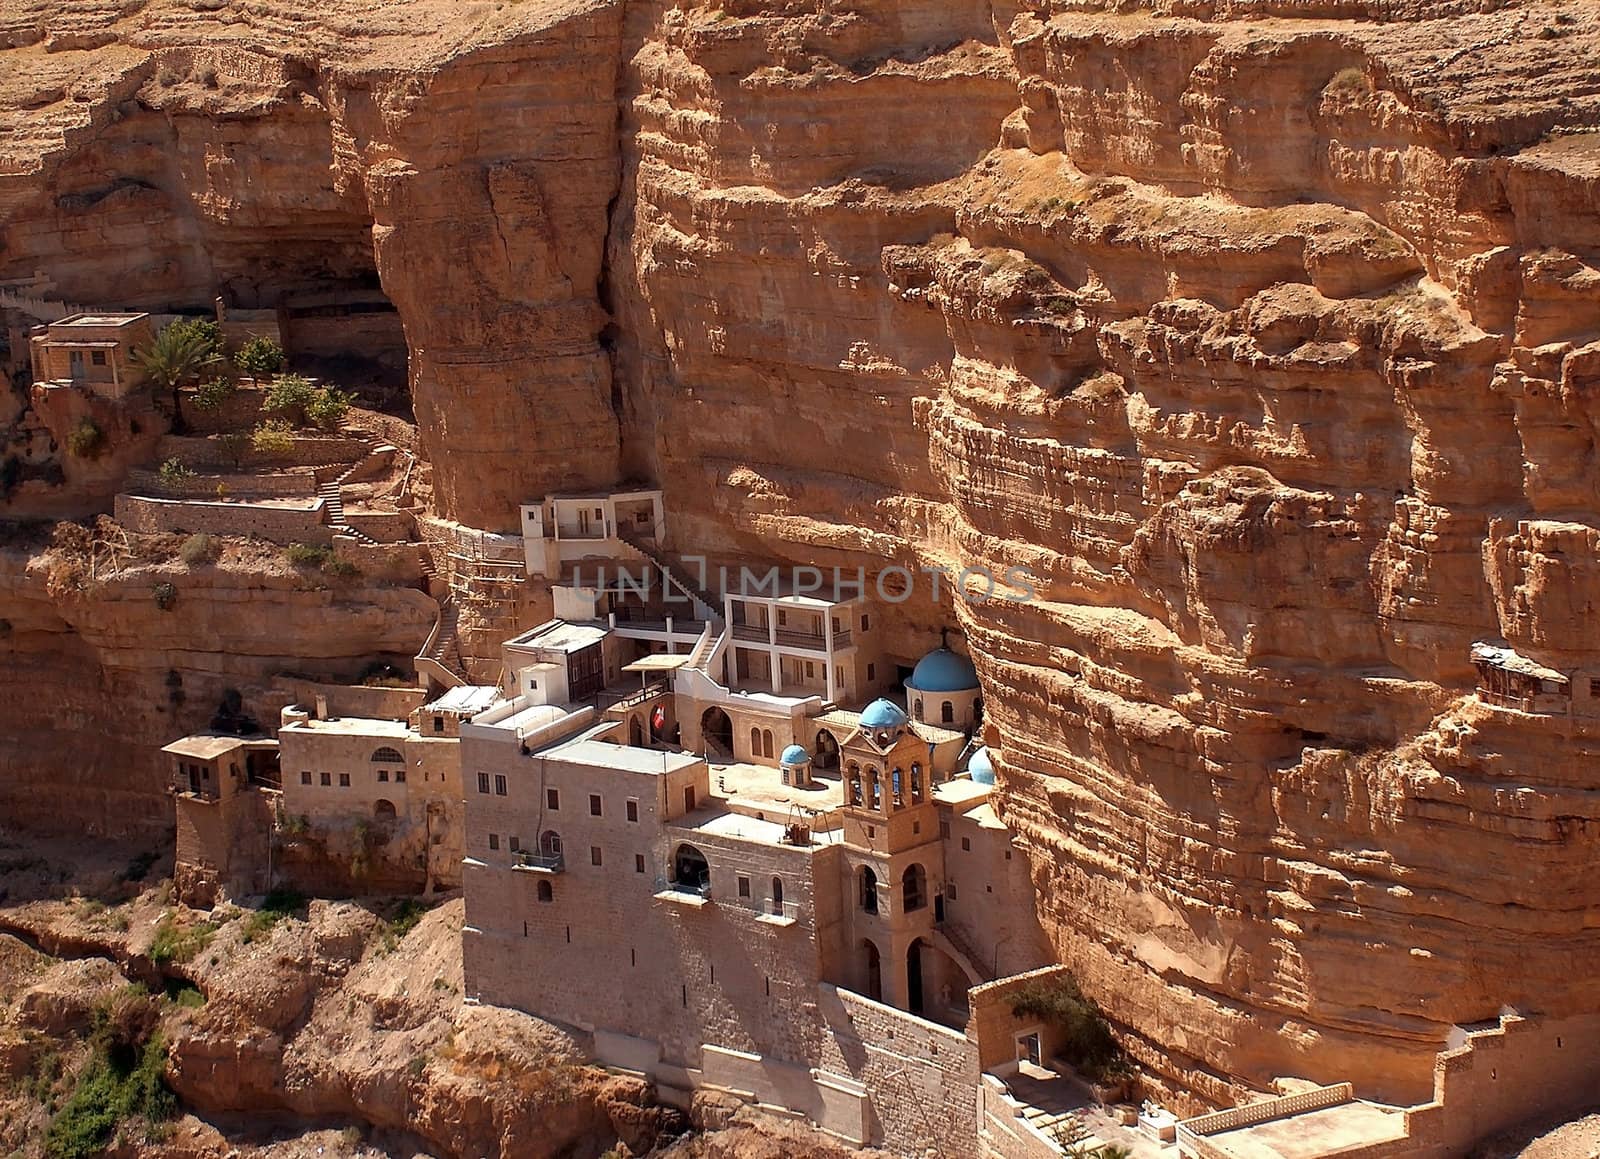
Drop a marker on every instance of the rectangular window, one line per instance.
(811, 669)
(688, 798)
(950, 891)
(327, 778)
(515, 845)
(744, 887)
(383, 776)
(344, 780)
(966, 844)
(944, 830)
(552, 799)
(864, 622)
(633, 810)
(638, 863)
(205, 772)
(594, 855)
(783, 618)
(872, 671)
(305, 778)
(98, 358)
(438, 724)
(494, 841)
(483, 782)
(499, 785)
(399, 776)
(594, 805)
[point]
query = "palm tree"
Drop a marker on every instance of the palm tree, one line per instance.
(180, 353)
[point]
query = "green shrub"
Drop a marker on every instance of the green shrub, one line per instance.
(178, 944)
(214, 395)
(86, 440)
(1086, 1039)
(259, 358)
(307, 554)
(340, 568)
(123, 1080)
(165, 595)
(199, 548)
(328, 408)
(405, 918)
(274, 437)
(290, 395)
(234, 444)
(174, 470)
(206, 332)
(275, 907)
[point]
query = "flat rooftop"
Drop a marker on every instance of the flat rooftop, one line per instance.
(1315, 1134)
(625, 758)
(561, 636)
(743, 827)
(763, 788)
(98, 319)
(351, 726)
(207, 746)
(469, 698)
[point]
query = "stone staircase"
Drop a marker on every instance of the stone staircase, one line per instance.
(331, 491)
(957, 941)
(705, 605)
(440, 658)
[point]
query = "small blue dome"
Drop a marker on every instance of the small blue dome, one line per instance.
(943, 671)
(794, 755)
(883, 714)
(981, 767)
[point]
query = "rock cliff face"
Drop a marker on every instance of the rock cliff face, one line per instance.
(1263, 333)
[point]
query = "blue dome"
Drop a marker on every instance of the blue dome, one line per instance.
(943, 671)
(794, 755)
(981, 767)
(883, 714)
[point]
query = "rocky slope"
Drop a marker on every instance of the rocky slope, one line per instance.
(1261, 331)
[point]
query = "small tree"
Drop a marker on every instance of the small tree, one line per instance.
(274, 437)
(173, 471)
(290, 396)
(259, 358)
(327, 410)
(181, 353)
(86, 440)
(234, 444)
(214, 395)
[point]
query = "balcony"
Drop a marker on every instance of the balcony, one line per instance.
(689, 893)
(786, 638)
(777, 913)
(543, 863)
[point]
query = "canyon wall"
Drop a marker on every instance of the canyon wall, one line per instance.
(1262, 333)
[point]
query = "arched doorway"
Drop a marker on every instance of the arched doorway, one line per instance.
(384, 810)
(690, 870)
(872, 970)
(716, 727)
(914, 977)
(635, 732)
(869, 890)
(913, 888)
(825, 754)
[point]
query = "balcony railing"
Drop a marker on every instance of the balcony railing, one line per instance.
(630, 700)
(701, 889)
(777, 912)
(787, 638)
(527, 862)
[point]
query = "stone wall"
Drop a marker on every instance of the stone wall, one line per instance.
(992, 1025)
(308, 451)
(384, 526)
(277, 524)
(274, 484)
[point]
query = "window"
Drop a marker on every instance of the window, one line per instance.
(766, 742)
(913, 888)
(869, 890)
(896, 789)
(944, 830)
(744, 887)
(950, 891)
(98, 358)
(688, 798)
(872, 671)
(755, 742)
(494, 841)
(916, 827)
(638, 863)
(947, 712)
(305, 778)
(864, 623)
(344, 780)
(546, 891)
(1594, 686)
(595, 807)
(916, 708)
(783, 617)
(499, 785)
(438, 724)
(483, 782)
(550, 843)
(916, 784)
(515, 845)
(205, 774)
(327, 779)
(595, 857)
(383, 776)
(777, 895)
(966, 844)
(633, 810)
(400, 776)
(811, 669)
(875, 790)
(552, 800)
(387, 756)
(855, 783)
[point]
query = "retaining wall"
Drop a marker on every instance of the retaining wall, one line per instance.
(282, 525)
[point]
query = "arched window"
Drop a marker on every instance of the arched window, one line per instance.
(766, 742)
(777, 895)
(855, 783)
(897, 787)
(387, 756)
(755, 742)
(913, 888)
(916, 784)
(546, 891)
(690, 870)
(874, 790)
(916, 708)
(947, 712)
(869, 890)
(383, 810)
(550, 843)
